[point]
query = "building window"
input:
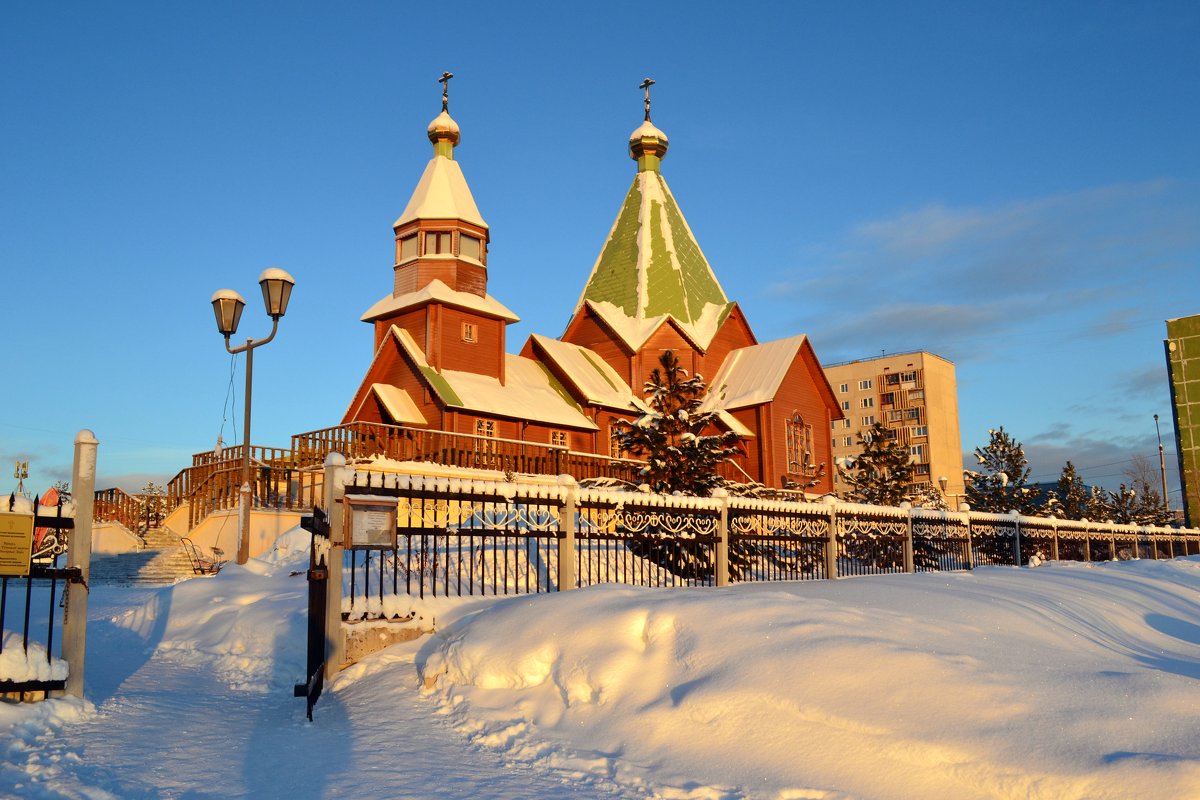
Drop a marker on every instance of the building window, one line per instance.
(468, 332)
(833, 425)
(920, 469)
(908, 377)
(867, 402)
(486, 430)
(485, 427)
(892, 434)
(614, 447)
(408, 248)
(469, 247)
(848, 441)
(920, 430)
(918, 452)
(845, 387)
(864, 384)
(846, 422)
(867, 421)
(891, 379)
(558, 438)
(916, 394)
(437, 243)
(845, 405)
(799, 446)
(887, 399)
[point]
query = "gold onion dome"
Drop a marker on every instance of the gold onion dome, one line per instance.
(443, 129)
(647, 140)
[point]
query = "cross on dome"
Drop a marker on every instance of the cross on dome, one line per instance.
(443, 131)
(647, 144)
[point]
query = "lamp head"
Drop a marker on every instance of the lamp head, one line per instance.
(277, 290)
(228, 305)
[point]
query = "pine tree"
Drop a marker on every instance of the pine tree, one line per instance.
(1122, 505)
(680, 457)
(880, 474)
(929, 496)
(1001, 486)
(1071, 494)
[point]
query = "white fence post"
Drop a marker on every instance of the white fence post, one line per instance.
(79, 554)
(335, 490)
(566, 526)
(722, 559)
(831, 547)
(908, 536)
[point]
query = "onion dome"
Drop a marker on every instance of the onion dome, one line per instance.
(647, 146)
(444, 134)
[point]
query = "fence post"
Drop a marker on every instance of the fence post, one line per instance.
(1054, 541)
(722, 565)
(908, 536)
(831, 548)
(966, 509)
(79, 554)
(335, 490)
(566, 526)
(1016, 518)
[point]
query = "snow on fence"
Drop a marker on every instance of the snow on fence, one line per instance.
(476, 537)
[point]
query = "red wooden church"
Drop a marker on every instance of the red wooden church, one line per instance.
(441, 360)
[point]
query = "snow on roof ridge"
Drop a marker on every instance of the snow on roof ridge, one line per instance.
(441, 193)
(751, 375)
(438, 290)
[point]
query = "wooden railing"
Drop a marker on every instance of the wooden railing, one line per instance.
(114, 505)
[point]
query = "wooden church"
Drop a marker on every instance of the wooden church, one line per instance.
(441, 360)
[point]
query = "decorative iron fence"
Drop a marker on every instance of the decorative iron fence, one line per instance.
(30, 596)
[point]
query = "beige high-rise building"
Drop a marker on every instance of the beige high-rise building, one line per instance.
(915, 396)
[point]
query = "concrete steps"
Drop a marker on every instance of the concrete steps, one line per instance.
(162, 562)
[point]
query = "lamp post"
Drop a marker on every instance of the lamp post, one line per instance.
(1162, 466)
(227, 305)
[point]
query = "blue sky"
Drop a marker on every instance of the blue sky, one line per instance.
(1014, 186)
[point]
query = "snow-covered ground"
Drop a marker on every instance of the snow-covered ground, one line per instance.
(1065, 681)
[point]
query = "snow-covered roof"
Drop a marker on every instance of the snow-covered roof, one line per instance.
(591, 376)
(438, 291)
(751, 375)
(442, 193)
(652, 268)
(399, 405)
(529, 391)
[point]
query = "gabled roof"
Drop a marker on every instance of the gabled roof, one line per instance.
(591, 377)
(399, 405)
(651, 268)
(529, 391)
(442, 193)
(751, 376)
(438, 291)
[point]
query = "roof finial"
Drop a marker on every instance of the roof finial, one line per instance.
(646, 84)
(445, 82)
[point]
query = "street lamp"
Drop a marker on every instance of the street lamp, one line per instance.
(1162, 466)
(228, 305)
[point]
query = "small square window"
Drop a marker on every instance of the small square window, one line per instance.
(558, 438)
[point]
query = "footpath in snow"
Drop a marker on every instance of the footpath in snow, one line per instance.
(1065, 681)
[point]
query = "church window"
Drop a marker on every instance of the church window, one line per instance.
(408, 247)
(469, 333)
(437, 243)
(558, 438)
(468, 247)
(799, 445)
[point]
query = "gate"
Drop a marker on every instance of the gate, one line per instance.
(318, 580)
(29, 587)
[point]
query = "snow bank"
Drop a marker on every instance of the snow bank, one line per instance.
(1070, 681)
(18, 665)
(248, 622)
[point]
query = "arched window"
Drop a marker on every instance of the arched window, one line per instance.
(799, 436)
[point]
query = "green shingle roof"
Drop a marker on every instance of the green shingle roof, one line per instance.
(651, 268)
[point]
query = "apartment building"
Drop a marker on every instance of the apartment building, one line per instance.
(1183, 365)
(915, 396)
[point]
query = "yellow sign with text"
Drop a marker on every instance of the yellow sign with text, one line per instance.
(16, 544)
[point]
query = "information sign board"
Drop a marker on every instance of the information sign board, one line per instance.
(16, 544)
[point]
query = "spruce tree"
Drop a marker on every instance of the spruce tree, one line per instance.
(680, 456)
(1001, 486)
(881, 473)
(1072, 494)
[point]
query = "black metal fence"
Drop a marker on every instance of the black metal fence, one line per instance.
(31, 604)
(460, 538)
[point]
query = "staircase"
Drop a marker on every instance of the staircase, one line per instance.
(163, 561)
